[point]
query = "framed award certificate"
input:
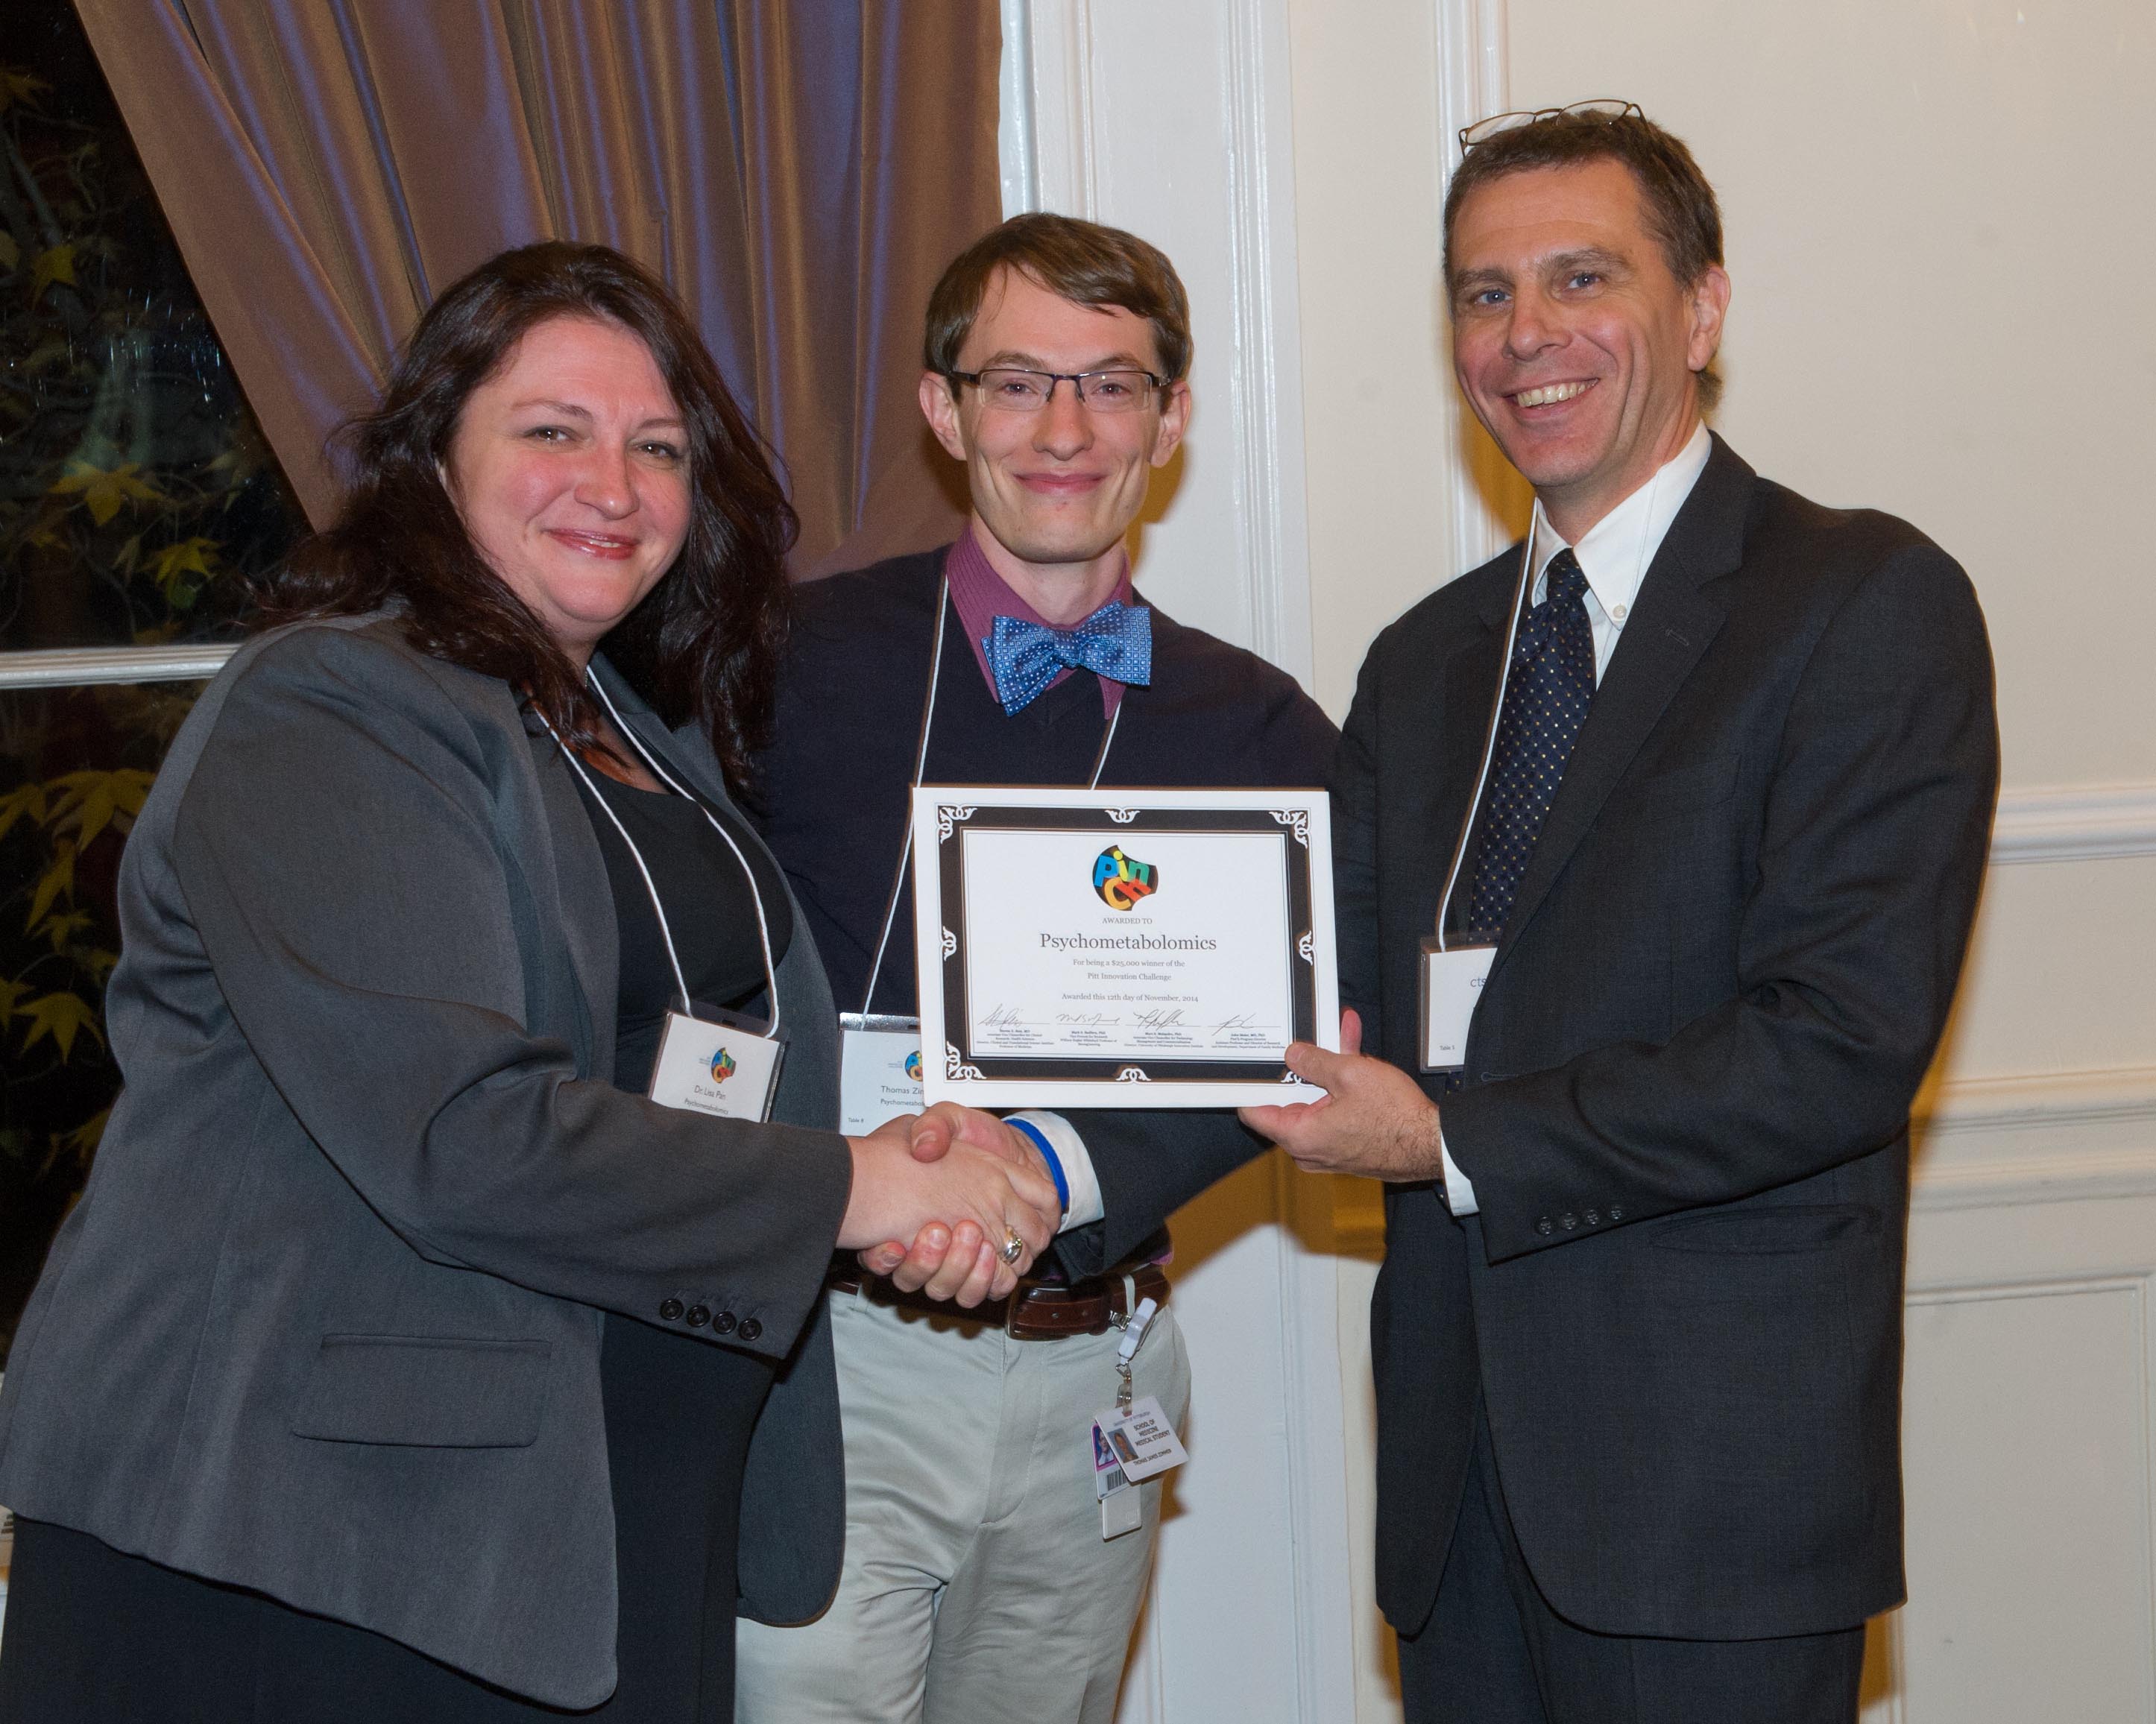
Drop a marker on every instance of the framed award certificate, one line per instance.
(1121, 948)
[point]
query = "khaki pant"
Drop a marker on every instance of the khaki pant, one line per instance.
(977, 1587)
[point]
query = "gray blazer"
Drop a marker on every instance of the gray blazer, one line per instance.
(326, 1321)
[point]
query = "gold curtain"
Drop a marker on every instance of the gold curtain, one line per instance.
(799, 173)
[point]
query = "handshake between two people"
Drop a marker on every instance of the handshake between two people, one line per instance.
(959, 1185)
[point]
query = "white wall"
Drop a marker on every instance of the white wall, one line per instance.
(1938, 230)
(1377, 402)
(1937, 224)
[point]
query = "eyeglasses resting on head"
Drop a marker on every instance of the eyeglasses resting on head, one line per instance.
(1605, 108)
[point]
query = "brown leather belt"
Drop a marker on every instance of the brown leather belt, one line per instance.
(1037, 1310)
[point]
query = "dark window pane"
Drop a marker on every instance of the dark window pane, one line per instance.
(76, 763)
(136, 493)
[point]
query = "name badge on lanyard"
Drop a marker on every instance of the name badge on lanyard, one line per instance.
(878, 1069)
(724, 1065)
(1451, 988)
(1453, 971)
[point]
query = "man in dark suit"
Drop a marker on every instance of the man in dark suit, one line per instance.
(1720, 826)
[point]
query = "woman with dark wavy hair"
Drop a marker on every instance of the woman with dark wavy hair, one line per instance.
(402, 1358)
(704, 642)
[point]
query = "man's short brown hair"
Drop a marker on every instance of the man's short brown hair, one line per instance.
(1083, 262)
(1681, 211)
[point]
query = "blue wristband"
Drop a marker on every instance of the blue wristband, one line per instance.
(1049, 1155)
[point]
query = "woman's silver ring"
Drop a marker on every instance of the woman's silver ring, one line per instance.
(1013, 1246)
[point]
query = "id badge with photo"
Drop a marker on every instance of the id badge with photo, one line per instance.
(1451, 987)
(1123, 1509)
(1138, 1439)
(878, 1069)
(719, 1066)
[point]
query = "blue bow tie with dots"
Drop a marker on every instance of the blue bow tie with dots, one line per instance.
(1115, 642)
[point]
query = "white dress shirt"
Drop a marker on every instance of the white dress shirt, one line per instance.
(1070, 1148)
(1614, 554)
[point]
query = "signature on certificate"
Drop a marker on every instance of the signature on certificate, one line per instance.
(1238, 1029)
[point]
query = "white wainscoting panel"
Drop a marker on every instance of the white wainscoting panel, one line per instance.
(2027, 1428)
(2074, 822)
(2040, 1137)
(2027, 1449)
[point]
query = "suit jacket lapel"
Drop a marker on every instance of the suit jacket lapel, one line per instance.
(586, 900)
(1676, 617)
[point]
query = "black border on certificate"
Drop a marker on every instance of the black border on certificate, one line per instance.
(954, 1069)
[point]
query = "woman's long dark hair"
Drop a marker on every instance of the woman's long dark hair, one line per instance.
(703, 644)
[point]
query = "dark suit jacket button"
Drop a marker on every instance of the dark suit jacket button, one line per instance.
(1545, 1226)
(670, 1310)
(1616, 1214)
(699, 1315)
(749, 1329)
(1594, 1218)
(723, 1324)
(1569, 1222)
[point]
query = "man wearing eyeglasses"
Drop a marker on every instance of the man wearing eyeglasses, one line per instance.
(1659, 837)
(984, 1575)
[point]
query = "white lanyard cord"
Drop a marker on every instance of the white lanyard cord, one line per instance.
(1107, 741)
(755, 892)
(658, 909)
(636, 855)
(921, 765)
(1497, 713)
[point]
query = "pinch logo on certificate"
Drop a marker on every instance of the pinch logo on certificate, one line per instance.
(1121, 948)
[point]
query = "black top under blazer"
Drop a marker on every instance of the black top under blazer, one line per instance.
(1690, 1075)
(326, 1322)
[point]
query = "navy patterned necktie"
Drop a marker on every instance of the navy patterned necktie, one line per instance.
(1546, 701)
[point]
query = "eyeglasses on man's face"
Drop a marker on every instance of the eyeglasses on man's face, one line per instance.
(1603, 108)
(1010, 389)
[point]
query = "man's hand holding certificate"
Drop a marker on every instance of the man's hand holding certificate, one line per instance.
(1370, 1118)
